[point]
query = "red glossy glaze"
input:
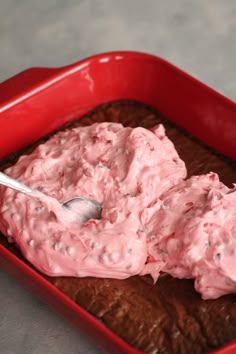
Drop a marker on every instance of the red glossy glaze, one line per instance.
(35, 102)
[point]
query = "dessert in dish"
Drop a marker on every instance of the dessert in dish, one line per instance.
(168, 316)
(151, 221)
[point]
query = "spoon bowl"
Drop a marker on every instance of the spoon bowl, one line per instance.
(83, 209)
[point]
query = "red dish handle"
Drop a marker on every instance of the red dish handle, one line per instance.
(23, 81)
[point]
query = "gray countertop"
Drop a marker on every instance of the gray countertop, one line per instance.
(198, 36)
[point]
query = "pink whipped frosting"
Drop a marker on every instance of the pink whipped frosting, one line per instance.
(125, 169)
(152, 220)
(192, 234)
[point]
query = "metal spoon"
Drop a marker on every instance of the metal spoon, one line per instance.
(81, 209)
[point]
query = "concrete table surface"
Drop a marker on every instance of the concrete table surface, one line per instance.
(198, 36)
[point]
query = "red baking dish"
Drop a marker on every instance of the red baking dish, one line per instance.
(38, 100)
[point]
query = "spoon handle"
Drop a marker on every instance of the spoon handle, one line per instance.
(12, 183)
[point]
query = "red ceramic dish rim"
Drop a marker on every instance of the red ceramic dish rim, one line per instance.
(61, 72)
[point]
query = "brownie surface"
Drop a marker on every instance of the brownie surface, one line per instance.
(168, 317)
